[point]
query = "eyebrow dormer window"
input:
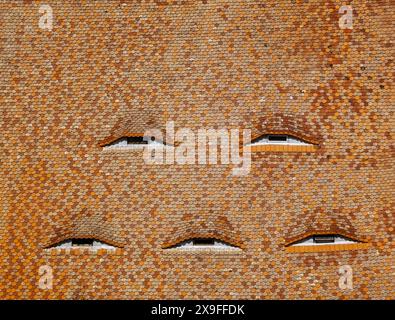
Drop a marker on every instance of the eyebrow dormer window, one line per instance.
(325, 242)
(281, 142)
(204, 243)
(133, 141)
(82, 243)
(321, 239)
(278, 139)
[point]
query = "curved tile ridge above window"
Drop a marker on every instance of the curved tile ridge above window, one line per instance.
(321, 241)
(207, 226)
(283, 141)
(132, 124)
(204, 240)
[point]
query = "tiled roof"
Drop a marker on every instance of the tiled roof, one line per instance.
(110, 68)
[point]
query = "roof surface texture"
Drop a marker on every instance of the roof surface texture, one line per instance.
(109, 69)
